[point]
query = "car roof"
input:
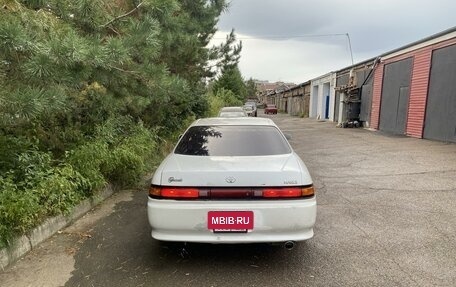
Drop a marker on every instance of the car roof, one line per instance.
(246, 121)
(231, 109)
(232, 114)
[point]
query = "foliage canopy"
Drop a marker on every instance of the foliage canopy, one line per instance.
(88, 89)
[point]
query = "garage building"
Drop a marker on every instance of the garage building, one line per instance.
(414, 89)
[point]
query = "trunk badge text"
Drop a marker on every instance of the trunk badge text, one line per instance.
(290, 182)
(173, 179)
(230, 179)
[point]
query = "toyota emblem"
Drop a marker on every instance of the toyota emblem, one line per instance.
(230, 179)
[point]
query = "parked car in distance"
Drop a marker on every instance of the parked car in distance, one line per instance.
(254, 105)
(249, 110)
(232, 180)
(232, 112)
(270, 109)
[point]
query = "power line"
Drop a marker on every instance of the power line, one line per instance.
(283, 36)
(296, 36)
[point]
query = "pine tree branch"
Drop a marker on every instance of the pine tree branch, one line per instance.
(122, 70)
(122, 16)
(114, 30)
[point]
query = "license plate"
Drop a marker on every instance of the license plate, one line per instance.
(230, 221)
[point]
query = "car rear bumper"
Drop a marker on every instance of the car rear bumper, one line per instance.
(274, 220)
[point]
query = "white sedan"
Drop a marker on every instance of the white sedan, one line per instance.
(232, 112)
(232, 180)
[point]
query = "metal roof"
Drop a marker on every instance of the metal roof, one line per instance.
(447, 31)
(434, 36)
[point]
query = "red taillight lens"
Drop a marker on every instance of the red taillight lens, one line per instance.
(282, 192)
(179, 192)
(173, 192)
(288, 192)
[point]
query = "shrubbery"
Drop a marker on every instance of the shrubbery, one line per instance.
(19, 210)
(36, 190)
(38, 186)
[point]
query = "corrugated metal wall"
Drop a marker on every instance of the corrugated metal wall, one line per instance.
(418, 92)
(419, 86)
(376, 96)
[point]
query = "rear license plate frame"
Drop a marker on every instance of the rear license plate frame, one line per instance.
(230, 221)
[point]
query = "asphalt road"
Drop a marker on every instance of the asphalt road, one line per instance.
(386, 217)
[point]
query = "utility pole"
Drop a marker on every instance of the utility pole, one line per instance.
(350, 47)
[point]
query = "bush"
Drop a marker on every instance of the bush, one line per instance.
(41, 193)
(37, 188)
(34, 186)
(10, 147)
(62, 190)
(125, 167)
(132, 157)
(121, 153)
(19, 210)
(88, 160)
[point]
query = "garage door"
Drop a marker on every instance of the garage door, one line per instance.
(440, 122)
(395, 96)
(366, 103)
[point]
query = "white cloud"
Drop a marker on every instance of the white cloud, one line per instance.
(374, 26)
(290, 60)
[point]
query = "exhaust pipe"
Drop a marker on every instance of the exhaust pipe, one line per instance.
(289, 245)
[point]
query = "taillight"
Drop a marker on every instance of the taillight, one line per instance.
(288, 192)
(154, 191)
(282, 192)
(173, 192)
(169, 192)
(308, 191)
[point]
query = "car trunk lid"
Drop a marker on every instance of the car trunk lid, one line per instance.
(225, 171)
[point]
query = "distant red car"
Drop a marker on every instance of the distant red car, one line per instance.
(270, 109)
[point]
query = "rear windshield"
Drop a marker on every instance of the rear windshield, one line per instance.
(232, 141)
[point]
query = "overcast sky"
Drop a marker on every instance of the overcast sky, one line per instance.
(282, 40)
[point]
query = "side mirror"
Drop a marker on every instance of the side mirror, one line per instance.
(288, 136)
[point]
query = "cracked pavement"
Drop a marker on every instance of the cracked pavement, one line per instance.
(386, 217)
